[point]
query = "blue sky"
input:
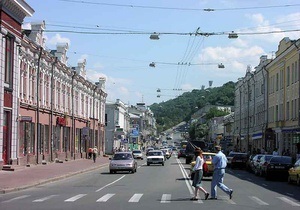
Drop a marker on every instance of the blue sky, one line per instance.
(113, 37)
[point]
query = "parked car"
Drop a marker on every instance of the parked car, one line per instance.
(294, 173)
(261, 167)
(137, 154)
(231, 155)
(181, 153)
(209, 170)
(239, 160)
(255, 162)
(278, 167)
(122, 161)
(249, 162)
(155, 157)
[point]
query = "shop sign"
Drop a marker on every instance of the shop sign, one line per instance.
(26, 119)
(61, 121)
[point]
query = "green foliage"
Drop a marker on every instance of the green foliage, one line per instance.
(214, 112)
(172, 112)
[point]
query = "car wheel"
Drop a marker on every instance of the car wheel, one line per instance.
(148, 164)
(111, 171)
(163, 164)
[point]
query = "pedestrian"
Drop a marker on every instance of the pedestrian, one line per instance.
(90, 152)
(95, 152)
(219, 162)
(198, 174)
(275, 152)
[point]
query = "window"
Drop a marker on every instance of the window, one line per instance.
(9, 59)
(288, 76)
(287, 110)
(277, 82)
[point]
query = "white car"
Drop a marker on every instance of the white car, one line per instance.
(155, 157)
(137, 154)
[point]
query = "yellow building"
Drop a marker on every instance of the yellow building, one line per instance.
(283, 98)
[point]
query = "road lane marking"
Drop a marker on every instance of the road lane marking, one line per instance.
(17, 198)
(135, 198)
(165, 198)
(76, 197)
(44, 199)
(111, 183)
(105, 198)
(227, 200)
(289, 201)
(187, 179)
(257, 200)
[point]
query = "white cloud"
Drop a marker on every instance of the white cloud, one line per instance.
(58, 39)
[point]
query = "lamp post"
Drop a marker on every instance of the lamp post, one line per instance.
(38, 139)
(51, 108)
(73, 120)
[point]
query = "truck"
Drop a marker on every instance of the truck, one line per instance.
(190, 149)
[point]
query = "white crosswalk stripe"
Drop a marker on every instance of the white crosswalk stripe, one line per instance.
(227, 200)
(258, 201)
(17, 198)
(45, 198)
(166, 198)
(293, 203)
(135, 198)
(105, 198)
(76, 197)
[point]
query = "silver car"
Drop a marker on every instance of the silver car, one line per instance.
(122, 161)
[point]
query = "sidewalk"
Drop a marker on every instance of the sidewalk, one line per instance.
(25, 177)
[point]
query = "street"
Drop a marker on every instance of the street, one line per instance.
(155, 186)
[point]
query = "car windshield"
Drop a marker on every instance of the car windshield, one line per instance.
(155, 153)
(136, 152)
(287, 160)
(122, 156)
(207, 157)
(268, 157)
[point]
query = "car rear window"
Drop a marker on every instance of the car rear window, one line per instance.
(122, 156)
(136, 152)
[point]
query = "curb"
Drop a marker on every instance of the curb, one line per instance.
(9, 190)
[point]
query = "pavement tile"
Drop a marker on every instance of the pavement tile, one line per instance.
(25, 177)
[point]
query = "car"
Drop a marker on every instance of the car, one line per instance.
(155, 157)
(278, 167)
(249, 163)
(122, 161)
(166, 153)
(137, 154)
(231, 155)
(149, 149)
(208, 156)
(261, 167)
(294, 173)
(255, 162)
(181, 153)
(239, 160)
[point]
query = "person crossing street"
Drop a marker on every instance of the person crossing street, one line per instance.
(220, 162)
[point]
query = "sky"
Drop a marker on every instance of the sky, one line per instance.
(114, 38)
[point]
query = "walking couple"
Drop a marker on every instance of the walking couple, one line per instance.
(219, 162)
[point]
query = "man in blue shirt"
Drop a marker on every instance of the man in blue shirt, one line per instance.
(220, 162)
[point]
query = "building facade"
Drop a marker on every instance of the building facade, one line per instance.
(61, 112)
(12, 14)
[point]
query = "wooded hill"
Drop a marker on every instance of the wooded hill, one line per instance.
(174, 111)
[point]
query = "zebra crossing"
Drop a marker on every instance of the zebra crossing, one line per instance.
(135, 198)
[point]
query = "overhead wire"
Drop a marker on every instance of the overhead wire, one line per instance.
(181, 9)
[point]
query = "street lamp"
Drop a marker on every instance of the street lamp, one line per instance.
(232, 35)
(154, 36)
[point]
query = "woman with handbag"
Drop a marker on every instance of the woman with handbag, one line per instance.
(198, 171)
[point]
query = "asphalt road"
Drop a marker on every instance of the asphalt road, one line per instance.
(152, 187)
